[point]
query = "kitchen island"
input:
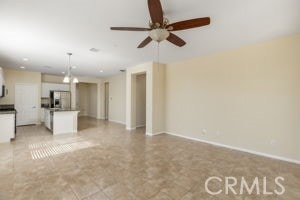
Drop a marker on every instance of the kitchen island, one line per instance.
(7, 126)
(61, 121)
(7, 123)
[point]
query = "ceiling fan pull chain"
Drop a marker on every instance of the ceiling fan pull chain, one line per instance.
(158, 83)
(158, 55)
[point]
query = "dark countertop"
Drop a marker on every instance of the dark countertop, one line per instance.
(7, 112)
(61, 110)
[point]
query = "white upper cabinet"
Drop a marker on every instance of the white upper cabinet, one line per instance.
(47, 87)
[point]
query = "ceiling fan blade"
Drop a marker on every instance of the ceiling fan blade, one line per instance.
(145, 42)
(129, 29)
(187, 24)
(176, 40)
(156, 11)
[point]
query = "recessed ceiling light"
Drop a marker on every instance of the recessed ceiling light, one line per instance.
(25, 59)
(101, 71)
(63, 72)
(74, 67)
(22, 67)
(94, 50)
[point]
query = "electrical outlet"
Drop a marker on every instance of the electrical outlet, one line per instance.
(219, 133)
(273, 141)
(204, 131)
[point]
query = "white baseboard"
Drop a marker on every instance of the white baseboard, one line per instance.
(154, 134)
(140, 126)
(133, 128)
(92, 116)
(115, 121)
(237, 148)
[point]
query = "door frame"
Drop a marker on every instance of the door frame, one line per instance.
(36, 99)
(106, 101)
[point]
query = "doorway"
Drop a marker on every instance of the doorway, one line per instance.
(26, 103)
(86, 99)
(106, 101)
(140, 100)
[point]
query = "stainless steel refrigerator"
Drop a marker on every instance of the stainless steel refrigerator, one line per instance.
(60, 99)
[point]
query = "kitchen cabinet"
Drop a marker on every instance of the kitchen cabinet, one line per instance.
(7, 128)
(48, 119)
(47, 87)
(42, 115)
(61, 121)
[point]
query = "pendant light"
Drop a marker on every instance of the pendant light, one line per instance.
(68, 78)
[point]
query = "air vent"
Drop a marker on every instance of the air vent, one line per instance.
(94, 50)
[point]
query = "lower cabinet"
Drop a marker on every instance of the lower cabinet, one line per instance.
(7, 127)
(42, 115)
(47, 119)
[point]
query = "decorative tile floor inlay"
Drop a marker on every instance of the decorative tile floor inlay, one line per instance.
(43, 150)
(104, 161)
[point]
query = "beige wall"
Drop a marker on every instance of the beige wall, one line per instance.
(52, 78)
(158, 97)
(155, 95)
(84, 99)
(96, 82)
(20, 76)
(117, 98)
(247, 98)
(87, 99)
(141, 100)
(93, 100)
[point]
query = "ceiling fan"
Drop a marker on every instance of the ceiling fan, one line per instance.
(160, 29)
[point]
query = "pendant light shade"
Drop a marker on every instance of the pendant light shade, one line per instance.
(68, 78)
(75, 80)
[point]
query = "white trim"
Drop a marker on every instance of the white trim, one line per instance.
(133, 128)
(155, 134)
(237, 148)
(92, 116)
(115, 121)
(140, 126)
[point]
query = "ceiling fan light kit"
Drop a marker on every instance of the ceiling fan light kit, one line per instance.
(159, 34)
(160, 29)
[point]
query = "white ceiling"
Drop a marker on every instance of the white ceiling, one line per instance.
(44, 31)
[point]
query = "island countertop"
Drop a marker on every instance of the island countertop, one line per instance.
(61, 121)
(8, 112)
(61, 110)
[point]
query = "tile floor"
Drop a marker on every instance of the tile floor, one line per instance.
(103, 161)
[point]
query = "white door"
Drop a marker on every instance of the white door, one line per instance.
(26, 103)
